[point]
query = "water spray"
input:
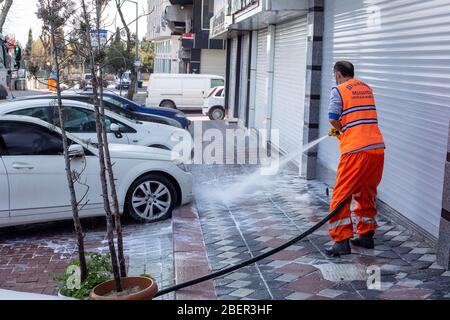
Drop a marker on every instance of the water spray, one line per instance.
(271, 252)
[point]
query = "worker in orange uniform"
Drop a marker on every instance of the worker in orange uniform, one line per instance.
(353, 115)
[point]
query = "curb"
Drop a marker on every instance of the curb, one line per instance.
(190, 258)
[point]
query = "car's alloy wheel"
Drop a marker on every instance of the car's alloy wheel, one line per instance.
(217, 114)
(152, 198)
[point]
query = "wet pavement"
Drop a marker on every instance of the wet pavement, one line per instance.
(402, 266)
(212, 234)
(31, 256)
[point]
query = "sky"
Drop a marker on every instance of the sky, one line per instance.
(22, 17)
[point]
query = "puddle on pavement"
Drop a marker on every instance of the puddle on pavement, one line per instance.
(343, 272)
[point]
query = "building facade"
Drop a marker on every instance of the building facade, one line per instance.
(280, 56)
(180, 30)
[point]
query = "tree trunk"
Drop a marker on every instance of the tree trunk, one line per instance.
(70, 181)
(100, 130)
(131, 89)
(109, 167)
(4, 13)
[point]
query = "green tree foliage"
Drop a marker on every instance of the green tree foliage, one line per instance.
(29, 47)
(118, 58)
(147, 55)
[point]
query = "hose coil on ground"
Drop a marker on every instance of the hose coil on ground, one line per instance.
(255, 259)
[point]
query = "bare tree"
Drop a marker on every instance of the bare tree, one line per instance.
(96, 56)
(4, 13)
(54, 14)
(100, 5)
(129, 47)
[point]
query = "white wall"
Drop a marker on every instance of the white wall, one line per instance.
(155, 29)
(213, 61)
(166, 55)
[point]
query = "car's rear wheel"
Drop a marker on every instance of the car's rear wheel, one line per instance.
(151, 198)
(217, 113)
(168, 104)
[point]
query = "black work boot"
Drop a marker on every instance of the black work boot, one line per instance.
(365, 241)
(339, 248)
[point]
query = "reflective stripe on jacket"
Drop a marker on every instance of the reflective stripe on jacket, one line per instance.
(359, 117)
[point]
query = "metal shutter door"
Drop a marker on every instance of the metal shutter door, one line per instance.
(402, 49)
(213, 62)
(289, 83)
(245, 47)
(232, 92)
(261, 81)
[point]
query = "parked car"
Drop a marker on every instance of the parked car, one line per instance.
(112, 106)
(214, 104)
(181, 91)
(123, 82)
(130, 105)
(80, 120)
(86, 82)
(149, 184)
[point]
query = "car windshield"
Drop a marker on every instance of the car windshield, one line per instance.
(119, 107)
(118, 101)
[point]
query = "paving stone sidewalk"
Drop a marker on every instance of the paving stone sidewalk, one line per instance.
(269, 214)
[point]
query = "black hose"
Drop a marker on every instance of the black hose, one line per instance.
(255, 259)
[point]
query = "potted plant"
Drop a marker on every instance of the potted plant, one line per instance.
(99, 271)
(133, 288)
(120, 287)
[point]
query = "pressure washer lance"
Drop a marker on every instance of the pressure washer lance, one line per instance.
(255, 259)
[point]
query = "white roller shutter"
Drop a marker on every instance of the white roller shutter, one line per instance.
(402, 49)
(213, 62)
(289, 83)
(261, 81)
(245, 50)
(232, 86)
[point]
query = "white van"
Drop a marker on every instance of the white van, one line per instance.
(181, 91)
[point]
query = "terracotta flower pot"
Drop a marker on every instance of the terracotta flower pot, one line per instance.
(149, 288)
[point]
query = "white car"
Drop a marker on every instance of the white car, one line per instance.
(33, 185)
(80, 121)
(214, 104)
(181, 91)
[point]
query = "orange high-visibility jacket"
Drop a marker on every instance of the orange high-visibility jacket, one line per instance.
(359, 117)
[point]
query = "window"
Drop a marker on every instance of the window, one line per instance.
(23, 139)
(207, 13)
(79, 120)
(42, 113)
(217, 83)
(118, 107)
(219, 93)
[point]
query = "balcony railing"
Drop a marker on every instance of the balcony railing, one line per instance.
(240, 5)
(181, 2)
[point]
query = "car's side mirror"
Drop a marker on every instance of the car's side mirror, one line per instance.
(76, 151)
(114, 128)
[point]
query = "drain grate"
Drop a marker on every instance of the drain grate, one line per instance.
(343, 272)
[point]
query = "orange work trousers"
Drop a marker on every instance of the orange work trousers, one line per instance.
(359, 175)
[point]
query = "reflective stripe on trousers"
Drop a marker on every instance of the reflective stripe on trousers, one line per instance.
(339, 223)
(367, 220)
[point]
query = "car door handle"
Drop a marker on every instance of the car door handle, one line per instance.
(22, 166)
